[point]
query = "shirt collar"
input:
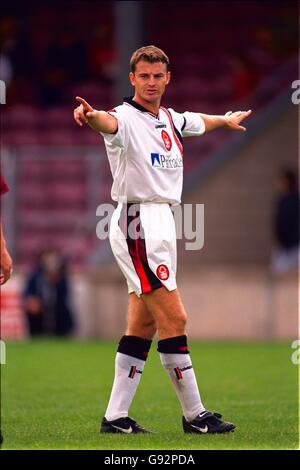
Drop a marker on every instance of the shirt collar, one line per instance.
(129, 100)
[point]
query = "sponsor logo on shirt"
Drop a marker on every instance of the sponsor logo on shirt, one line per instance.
(166, 162)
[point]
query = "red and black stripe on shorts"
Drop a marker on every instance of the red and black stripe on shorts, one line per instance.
(130, 217)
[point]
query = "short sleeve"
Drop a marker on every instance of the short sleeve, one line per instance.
(189, 124)
(118, 139)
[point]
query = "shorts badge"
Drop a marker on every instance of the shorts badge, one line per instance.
(162, 272)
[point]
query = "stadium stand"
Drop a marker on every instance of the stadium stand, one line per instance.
(53, 187)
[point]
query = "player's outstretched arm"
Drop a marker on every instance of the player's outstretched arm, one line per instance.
(230, 120)
(100, 121)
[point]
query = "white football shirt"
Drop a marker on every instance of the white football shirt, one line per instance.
(146, 152)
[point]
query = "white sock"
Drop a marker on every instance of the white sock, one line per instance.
(128, 372)
(181, 373)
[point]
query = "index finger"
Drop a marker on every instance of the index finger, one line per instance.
(245, 114)
(83, 102)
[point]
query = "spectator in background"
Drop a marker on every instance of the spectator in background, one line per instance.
(244, 77)
(286, 223)
(65, 64)
(47, 297)
(101, 54)
(16, 65)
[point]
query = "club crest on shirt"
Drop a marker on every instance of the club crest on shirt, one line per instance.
(167, 140)
(162, 272)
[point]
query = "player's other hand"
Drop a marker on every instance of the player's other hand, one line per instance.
(84, 112)
(6, 266)
(233, 120)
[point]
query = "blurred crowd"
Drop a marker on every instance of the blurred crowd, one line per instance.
(40, 58)
(43, 53)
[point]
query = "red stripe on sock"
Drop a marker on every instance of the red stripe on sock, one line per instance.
(178, 373)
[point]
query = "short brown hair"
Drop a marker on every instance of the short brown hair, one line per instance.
(148, 54)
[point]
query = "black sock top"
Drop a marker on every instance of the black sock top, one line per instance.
(175, 345)
(135, 346)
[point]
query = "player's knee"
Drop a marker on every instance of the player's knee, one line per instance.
(181, 321)
(144, 330)
(149, 329)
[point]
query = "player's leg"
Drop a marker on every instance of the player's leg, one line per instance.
(170, 316)
(129, 364)
(140, 321)
(149, 265)
(169, 313)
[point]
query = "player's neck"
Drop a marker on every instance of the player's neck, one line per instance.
(152, 107)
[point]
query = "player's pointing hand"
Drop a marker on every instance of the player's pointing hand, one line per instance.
(100, 121)
(233, 120)
(82, 112)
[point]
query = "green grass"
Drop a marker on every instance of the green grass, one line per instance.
(55, 392)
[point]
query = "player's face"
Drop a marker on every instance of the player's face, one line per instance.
(149, 81)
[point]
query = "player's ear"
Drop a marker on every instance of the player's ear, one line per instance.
(168, 77)
(132, 78)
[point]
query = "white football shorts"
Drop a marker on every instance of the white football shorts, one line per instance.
(143, 241)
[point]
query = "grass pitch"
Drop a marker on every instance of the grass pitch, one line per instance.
(54, 394)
